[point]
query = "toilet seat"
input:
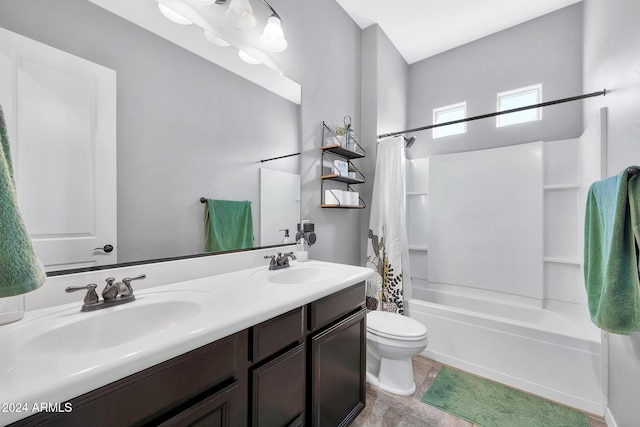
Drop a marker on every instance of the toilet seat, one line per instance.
(395, 326)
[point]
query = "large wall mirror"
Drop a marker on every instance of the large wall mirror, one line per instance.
(184, 129)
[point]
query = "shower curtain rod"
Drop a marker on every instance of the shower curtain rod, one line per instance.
(484, 116)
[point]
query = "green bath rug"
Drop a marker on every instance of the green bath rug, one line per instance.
(489, 404)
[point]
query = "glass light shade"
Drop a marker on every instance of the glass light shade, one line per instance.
(240, 14)
(215, 39)
(248, 58)
(272, 37)
(172, 15)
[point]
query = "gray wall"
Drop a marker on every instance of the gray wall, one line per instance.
(186, 127)
(330, 90)
(545, 50)
(612, 61)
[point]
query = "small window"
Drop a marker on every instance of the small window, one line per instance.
(516, 98)
(448, 114)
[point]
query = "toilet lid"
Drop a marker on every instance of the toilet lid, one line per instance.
(395, 326)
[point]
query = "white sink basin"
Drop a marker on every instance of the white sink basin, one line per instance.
(110, 327)
(301, 275)
(298, 274)
(70, 332)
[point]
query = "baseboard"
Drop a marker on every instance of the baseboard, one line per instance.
(608, 417)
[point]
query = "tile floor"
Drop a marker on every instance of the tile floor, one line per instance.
(387, 410)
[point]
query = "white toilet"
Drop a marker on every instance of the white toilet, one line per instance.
(392, 340)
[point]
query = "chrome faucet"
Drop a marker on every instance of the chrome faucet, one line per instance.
(112, 294)
(280, 261)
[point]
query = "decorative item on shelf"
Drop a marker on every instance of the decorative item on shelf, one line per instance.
(354, 198)
(353, 171)
(343, 136)
(339, 135)
(332, 197)
(341, 167)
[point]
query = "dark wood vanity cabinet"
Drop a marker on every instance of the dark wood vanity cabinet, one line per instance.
(277, 377)
(337, 362)
(202, 387)
(304, 367)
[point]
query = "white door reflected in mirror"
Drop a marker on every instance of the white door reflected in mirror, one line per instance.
(62, 130)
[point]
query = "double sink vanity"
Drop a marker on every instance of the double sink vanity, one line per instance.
(254, 347)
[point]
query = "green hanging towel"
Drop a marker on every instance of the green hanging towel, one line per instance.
(229, 225)
(612, 235)
(20, 271)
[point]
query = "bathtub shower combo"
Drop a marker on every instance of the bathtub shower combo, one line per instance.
(497, 265)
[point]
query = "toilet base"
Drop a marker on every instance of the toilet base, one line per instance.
(395, 376)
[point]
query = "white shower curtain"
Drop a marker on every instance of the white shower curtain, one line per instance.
(387, 241)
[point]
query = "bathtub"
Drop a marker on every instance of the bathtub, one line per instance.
(548, 353)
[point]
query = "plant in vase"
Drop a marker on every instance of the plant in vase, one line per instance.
(353, 172)
(339, 134)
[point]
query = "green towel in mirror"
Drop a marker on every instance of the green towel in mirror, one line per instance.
(612, 233)
(20, 271)
(229, 225)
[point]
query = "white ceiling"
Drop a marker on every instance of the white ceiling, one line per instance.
(422, 28)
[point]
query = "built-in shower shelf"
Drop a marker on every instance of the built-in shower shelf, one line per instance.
(561, 187)
(573, 261)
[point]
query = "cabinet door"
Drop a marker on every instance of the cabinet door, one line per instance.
(278, 390)
(338, 372)
(218, 410)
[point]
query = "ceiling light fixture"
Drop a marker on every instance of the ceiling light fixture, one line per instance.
(215, 39)
(248, 58)
(272, 37)
(240, 14)
(174, 16)
(229, 22)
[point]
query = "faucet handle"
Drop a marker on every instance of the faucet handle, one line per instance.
(127, 283)
(128, 280)
(91, 297)
(272, 264)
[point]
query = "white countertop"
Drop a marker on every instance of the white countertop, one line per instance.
(222, 305)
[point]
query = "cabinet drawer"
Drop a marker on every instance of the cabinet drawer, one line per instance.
(146, 395)
(335, 306)
(278, 390)
(275, 334)
(220, 409)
